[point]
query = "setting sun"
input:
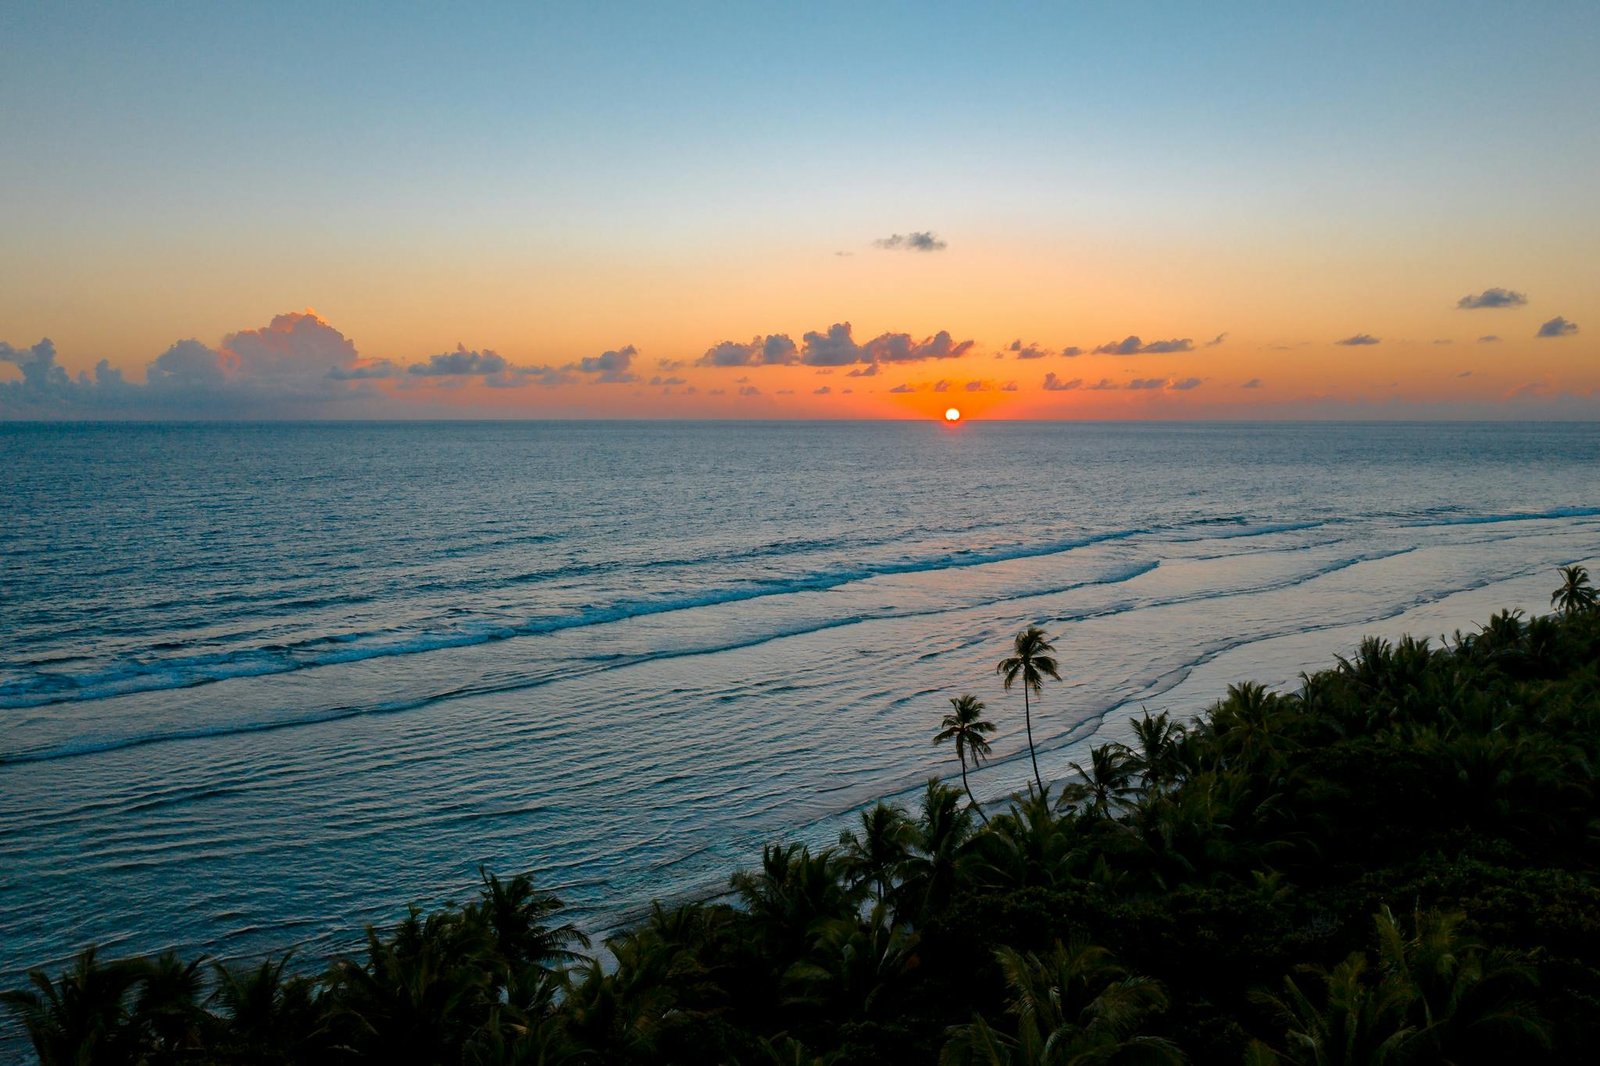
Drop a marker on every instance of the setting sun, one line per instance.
(952, 415)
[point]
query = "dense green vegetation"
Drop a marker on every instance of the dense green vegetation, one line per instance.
(1394, 864)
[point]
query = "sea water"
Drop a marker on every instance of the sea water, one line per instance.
(261, 684)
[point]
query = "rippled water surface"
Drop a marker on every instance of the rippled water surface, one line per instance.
(261, 684)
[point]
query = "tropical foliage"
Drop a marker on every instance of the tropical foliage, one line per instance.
(1394, 863)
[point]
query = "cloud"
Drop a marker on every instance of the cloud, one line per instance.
(610, 366)
(1185, 384)
(1557, 327)
(1055, 384)
(904, 388)
(749, 390)
(833, 348)
(923, 241)
(1218, 339)
(1492, 298)
(460, 363)
(1102, 385)
(1464, 374)
(1147, 383)
(659, 380)
(294, 365)
(1134, 346)
(1072, 351)
(1253, 383)
(377, 368)
(837, 347)
(941, 386)
(1358, 339)
(775, 349)
(900, 348)
(1488, 338)
(979, 386)
(1027, 351)
(870, 371)
(822, 391)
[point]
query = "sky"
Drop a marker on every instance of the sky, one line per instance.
(854, 210)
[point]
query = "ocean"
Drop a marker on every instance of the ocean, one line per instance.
(261, 684)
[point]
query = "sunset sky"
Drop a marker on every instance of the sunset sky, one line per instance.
(800, 211)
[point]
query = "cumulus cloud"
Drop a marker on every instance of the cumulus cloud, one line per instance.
(460, 363)
(1185, 384)
(610, 367)
(1464, 374)
(833, 348)
(1445, 340)
(1253, 383)
(1134, 346)
(1218, 339)
(917, 241)
(980, 386)
(294, 365)
(1072, 351)
(1557, 327)
(822, 391)
(367, 370)
(775, 349)
(838, 347)
(1488, 338)
(1492, 298)
(749, 390)
(1055, 384)
(1027, 351)
(904, 388)
(659, 380)
(941, 385)
(1358, 339)
(1147, 383)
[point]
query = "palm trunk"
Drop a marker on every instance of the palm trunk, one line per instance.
(1027, 718)
(970, 797)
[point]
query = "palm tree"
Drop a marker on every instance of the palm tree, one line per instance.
(1031, 660)
(519, 922)
(877, 855)
(83, 1016)
(1158, 758)
(167, 1008)
(1075, 1005)
(966, 726)
(1104, 782)
(1575, 594)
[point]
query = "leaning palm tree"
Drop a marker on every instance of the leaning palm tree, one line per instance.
(966, 726)
(1031, 660)
(1575, 595)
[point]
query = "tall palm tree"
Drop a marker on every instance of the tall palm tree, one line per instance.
(1575, 594)
(1033, 661)
(966, 726)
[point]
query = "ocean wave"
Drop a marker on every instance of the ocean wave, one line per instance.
(135, 675)
(1512, 516)
(82, 746)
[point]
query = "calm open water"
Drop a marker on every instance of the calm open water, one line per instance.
(261, 684)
